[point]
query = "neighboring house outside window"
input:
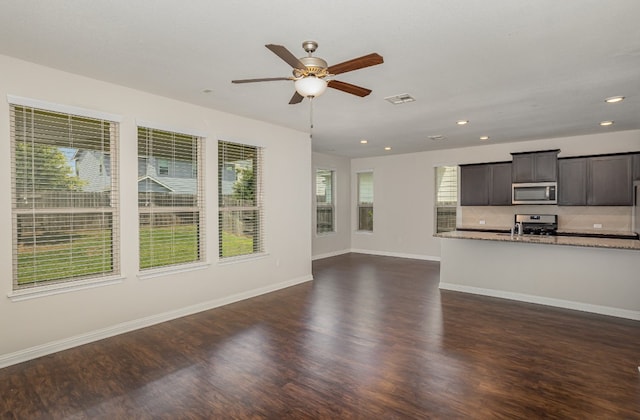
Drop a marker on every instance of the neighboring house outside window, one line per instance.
(65, 212)
(325, 201)
(240, 200)
(446, 199)
(170, 208)
(163, 167)
(365, 201)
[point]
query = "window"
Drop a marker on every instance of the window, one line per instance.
(163, 166)
(170, 209)
(365, 201)
(240, 199)
(64, 224)
(325, 207)
(446, 198)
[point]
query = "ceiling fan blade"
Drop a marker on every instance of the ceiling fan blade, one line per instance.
(357, 63)
(286, 55)
(349, 88)
(296, 99)
(264, 79)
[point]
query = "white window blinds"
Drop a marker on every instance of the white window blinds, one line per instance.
(446, 198)
(64, 197)
(325, 207)
(365, 201)
(240, 200)
(170, 198)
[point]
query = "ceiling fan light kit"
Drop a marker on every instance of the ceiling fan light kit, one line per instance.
(312, 75)
(310, 86)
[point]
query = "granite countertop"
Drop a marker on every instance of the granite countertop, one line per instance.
(586, 241)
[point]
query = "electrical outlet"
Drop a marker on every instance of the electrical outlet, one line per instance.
(482, 222)
(597, 225)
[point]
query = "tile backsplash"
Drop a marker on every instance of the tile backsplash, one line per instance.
(570, 218)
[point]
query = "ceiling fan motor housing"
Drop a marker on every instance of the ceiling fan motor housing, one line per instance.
(315, 67)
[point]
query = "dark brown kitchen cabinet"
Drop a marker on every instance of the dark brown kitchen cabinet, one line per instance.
(609, 181)
(535, 166)
(485, 184)
(636, 167)
(595, 181)
(572, 182)
(474, 185)
(500, 188)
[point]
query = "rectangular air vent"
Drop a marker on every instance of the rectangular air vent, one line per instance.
(437, 137)
(400, 99)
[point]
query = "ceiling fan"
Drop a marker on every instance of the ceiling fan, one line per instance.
(312, 75)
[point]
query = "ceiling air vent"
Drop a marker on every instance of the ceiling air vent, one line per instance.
(400, 99)
(437, 137)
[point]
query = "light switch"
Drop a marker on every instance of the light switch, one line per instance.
(597, 225)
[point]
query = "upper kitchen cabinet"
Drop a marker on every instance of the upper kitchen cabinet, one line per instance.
(474, 185)
(485, 184)
(535, 166)
(595, 181)
(500, 188)
(609, 181)
(572, 182)
(636, 167)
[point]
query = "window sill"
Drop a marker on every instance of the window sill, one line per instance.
(364, 232)
(167, 271)
(242, 258)
(55, 289)
(319, 235)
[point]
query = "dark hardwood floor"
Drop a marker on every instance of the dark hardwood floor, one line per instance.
(371, 338)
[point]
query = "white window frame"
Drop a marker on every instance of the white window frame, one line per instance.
(71, 283)
(364, 205)
(198, 171)
(439, 201)
(224, 211)
(331, 205)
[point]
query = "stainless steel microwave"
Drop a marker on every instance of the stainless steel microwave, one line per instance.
(535, 193)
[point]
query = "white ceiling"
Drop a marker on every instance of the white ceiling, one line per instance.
(516, 69)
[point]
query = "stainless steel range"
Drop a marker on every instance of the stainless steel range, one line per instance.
(536, 224)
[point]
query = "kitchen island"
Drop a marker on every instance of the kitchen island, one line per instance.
(600, 275)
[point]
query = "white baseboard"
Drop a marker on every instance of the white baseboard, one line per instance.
(396, 254)
(330, 254)
(559, 303)
(78, 340)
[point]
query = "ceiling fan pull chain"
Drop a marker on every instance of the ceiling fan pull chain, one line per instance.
(310, 117)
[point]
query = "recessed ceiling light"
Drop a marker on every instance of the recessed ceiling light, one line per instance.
(387, 148)
(462, 122)
(614, 99)
(363, 141)
(605, 123)
(484, 138)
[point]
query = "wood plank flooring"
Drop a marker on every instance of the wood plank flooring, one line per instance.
(370, 338)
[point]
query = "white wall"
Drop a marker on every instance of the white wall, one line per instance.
(37, 326)
(338, 242)
(404, 187)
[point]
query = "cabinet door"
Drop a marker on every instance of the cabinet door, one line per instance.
(474, 185)
(500, 188)
(609, 181)
(545, 166)
(522, 168)
(535, 167)
(572, 182)
(636, 167)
